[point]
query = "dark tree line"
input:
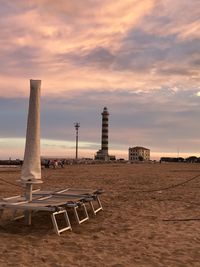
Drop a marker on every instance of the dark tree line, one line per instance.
(191, 159)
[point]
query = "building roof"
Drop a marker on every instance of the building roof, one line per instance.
(139, 147)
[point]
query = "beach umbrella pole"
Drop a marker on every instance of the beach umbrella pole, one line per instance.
(28, 195)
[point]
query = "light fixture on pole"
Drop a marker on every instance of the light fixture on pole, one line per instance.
(76, 125)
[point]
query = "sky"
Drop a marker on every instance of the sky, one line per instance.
(139, 58)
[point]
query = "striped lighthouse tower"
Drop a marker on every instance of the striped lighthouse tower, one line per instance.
(104, 135)
(102, 154)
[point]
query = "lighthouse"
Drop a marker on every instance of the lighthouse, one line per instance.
(104, 134)
(102, 154)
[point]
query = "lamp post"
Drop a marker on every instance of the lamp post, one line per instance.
(76, 125)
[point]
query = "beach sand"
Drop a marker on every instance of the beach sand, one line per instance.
(132, 230)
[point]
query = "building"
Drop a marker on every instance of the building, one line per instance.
(102, 154)
(139, 153)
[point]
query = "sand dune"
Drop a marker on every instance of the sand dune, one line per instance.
(133, 230)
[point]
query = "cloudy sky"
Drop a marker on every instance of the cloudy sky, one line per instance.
(140, 58)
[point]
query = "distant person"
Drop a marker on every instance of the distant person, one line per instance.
(47, 163)
(55, 163)
(62, 163)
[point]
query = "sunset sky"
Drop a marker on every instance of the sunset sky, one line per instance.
(140, 58)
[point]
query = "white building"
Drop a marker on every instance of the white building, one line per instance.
(139, 153)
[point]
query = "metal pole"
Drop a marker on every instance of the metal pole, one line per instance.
(76, 143)
(76, 125)
(28, 195)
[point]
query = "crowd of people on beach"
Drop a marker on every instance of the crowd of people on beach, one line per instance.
(54, 163)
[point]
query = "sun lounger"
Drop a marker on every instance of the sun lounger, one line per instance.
(56, 202)
(51, 207)
(86, 196)
(49, 203)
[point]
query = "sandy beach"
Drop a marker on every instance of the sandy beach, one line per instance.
(146, 222)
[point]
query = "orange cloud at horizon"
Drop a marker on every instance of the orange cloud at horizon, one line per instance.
(15, 150)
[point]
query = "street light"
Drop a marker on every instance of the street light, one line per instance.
(76, 125)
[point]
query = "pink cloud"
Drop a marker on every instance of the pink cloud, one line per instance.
(49, 31)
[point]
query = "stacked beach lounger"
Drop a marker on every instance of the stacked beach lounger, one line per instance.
(57, 202)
